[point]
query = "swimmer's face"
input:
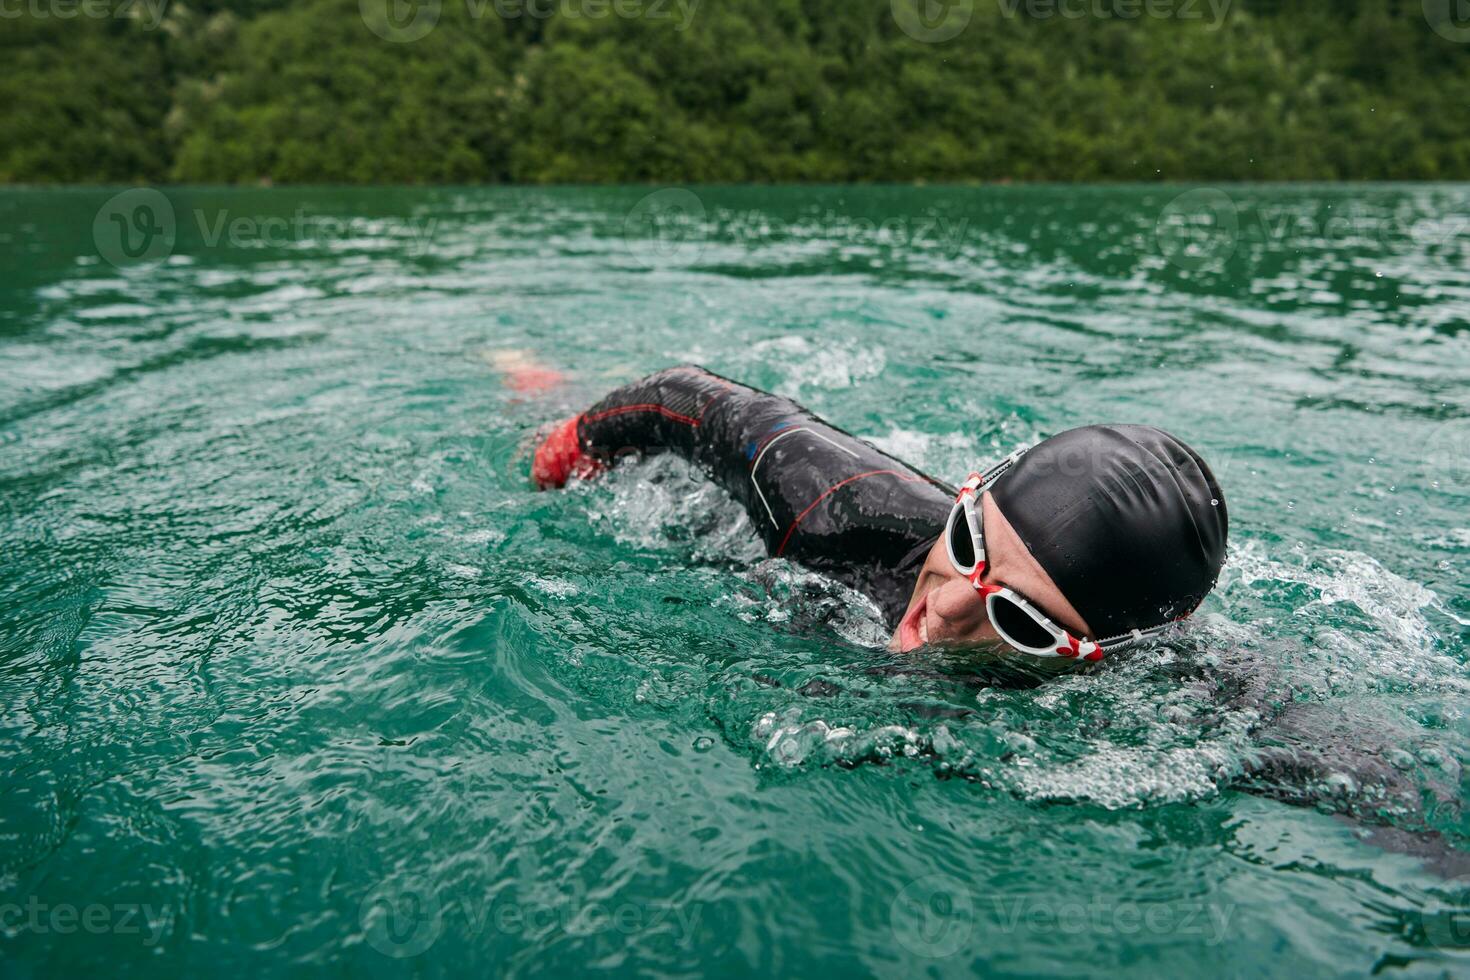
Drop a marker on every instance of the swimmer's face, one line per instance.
(945, 608)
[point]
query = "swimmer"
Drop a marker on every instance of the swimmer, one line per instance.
(1059, 555)
(1095, 539)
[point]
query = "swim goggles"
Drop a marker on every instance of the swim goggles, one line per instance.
(1018, 622)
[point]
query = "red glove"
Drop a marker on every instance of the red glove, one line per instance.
(532, 379)
(560, 458)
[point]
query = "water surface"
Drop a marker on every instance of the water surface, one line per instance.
(296, 672)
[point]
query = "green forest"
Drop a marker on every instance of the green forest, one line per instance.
(558, 91)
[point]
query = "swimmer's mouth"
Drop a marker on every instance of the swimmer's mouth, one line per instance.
(913, 631)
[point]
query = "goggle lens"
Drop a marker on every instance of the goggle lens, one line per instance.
(961, 544)
(1017, 627)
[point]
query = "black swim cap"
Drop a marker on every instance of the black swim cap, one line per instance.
(1126, 519)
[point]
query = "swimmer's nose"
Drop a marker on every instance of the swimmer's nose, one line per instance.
(958, 606)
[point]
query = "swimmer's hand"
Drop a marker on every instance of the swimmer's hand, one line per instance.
(560, 457)
(522, 372)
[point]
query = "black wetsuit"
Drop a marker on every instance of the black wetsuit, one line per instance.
(831, 501)
(816, 494)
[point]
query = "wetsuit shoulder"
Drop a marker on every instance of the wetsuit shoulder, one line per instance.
(815, 493)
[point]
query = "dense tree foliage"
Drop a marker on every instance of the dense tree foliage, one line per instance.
(728, 90)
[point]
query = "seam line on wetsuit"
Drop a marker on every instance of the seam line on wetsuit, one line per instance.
(623, 409)
(828, 492)
(756, 465)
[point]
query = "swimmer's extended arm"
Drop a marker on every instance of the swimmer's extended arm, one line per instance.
(663, 412)
(813, 492)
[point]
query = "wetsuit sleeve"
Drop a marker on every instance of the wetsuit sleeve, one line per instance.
(814, 493)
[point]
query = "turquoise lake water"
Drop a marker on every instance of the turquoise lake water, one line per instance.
(297, 674)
